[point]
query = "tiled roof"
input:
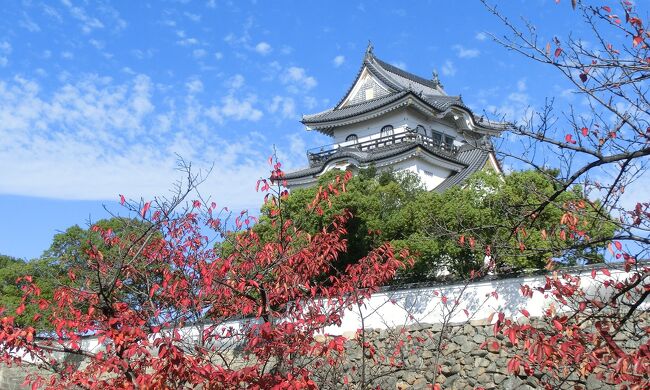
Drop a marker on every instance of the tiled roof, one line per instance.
(443, 102)
(353, 110)
(406, 75)
(370, 156)
(474, 158)
(440, 103)
(399, 83)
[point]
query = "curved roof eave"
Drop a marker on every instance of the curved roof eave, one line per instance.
(363, 158)
(392, 103)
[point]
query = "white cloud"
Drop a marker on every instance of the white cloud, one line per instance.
(88, 23)
(263, 48)
(68, 55)
(184, 41)
(481, 36)
(448, 68)
(240, 109)
(142, 54)
(399, 64)
(297, 144)
(521, 85)
(310, 102)
(297, 80)
(99, 45)
(338, 60)
(194, 86)
(193, 17)
(235, 82)
(5, 50)
(28, 24)
(199, 53)
(218, 55)
(92, 138)
(285, 106)
(516, 106)
(464, 52)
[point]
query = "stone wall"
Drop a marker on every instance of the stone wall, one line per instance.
(461, 356)
(407, 333)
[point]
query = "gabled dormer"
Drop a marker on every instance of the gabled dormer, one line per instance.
(392, 119)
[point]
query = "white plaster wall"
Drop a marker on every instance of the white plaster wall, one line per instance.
(399, 119)
(480, 299)
(431, 175)
(435, 304)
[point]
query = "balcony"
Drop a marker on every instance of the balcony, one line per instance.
(321, 154)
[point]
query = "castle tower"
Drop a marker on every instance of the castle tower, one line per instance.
(392, 119)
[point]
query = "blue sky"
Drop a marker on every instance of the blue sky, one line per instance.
(98, 98)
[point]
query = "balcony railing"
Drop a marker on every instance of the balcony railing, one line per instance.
(318, 155)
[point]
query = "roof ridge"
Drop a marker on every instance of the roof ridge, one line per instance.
(408, 75)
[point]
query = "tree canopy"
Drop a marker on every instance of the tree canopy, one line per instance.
(453, 231)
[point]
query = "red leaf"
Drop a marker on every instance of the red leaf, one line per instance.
(606, 8)
(618, 245)
(557, 324)
(525, 313)
(20, 309)
(583, 77)
(569, 138)
(558, 51)
(636, 40)
(153, 289)
(606, 272)
(144, 210)
(122, 199)
(585, 131)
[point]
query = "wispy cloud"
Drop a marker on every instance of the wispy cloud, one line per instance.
(194, 86)
(464, 52)
(263, 48)
(285, 106)
(87, 23)
(199, 53)
(92, 138)
(338, 60)
(481, 36)
(5, 50)
(448, 68)
(297, 80)
(28, 24)
(236, 82)
(193, 17)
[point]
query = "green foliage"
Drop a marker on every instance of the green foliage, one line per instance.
(453, 230)
(374, 200)
(497, 212)
(69, 248)
(11, 269)
(67, 253)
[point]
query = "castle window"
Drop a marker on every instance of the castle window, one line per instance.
(449, 141)
(419, 129)
(437, 137)
(352, 138)
(386, 130)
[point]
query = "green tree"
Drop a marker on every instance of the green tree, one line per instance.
(67, 255)
(11, 270)
(453, 231)
(459, 227)
(75, 251)
(374, 199)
